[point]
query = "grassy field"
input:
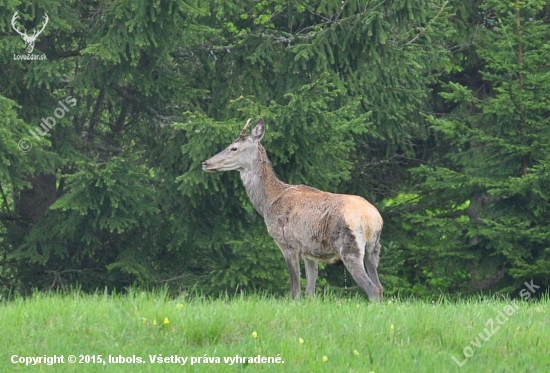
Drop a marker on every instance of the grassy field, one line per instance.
(152, 333)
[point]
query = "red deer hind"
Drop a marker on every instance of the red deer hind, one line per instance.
(306, 222)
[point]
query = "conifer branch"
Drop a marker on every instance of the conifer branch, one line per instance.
(5, 198)
(94, 120)
(67, 54)
(423, 29)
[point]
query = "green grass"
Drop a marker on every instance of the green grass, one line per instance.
(355, 336)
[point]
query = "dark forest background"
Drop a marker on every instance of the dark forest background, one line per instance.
(438, 112)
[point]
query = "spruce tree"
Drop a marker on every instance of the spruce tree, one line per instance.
(479, 218)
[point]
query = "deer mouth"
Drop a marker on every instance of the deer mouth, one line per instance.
(208, 168)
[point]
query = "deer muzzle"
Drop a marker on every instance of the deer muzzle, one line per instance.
(207, 167)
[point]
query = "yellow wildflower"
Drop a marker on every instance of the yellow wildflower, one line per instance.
(154, 322)
(166, 321)
(325, 359)
(179, 306)
(356, 353)
(144, 320)
(392, 328)
(301, 341)
(254, 334)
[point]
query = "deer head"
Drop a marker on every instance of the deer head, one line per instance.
(29, 40)
(239, 153)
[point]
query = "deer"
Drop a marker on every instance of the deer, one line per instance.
(305, 222)
(29, 40)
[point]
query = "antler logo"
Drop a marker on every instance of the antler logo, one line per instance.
(29, 40)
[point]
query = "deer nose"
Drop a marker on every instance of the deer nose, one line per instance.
(204, 164)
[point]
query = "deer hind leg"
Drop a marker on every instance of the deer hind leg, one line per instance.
(312, 271)
(353, 255)
(372, 257)
(355, 266)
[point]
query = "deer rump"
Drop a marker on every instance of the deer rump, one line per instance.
(323, 226)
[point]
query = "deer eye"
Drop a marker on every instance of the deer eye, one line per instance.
(233, 149)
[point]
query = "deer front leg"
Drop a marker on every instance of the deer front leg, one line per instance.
(293, 266)
(312, 271)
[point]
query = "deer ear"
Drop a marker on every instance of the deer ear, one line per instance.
(258, 130)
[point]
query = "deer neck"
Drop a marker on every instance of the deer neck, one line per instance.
(261, 183)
